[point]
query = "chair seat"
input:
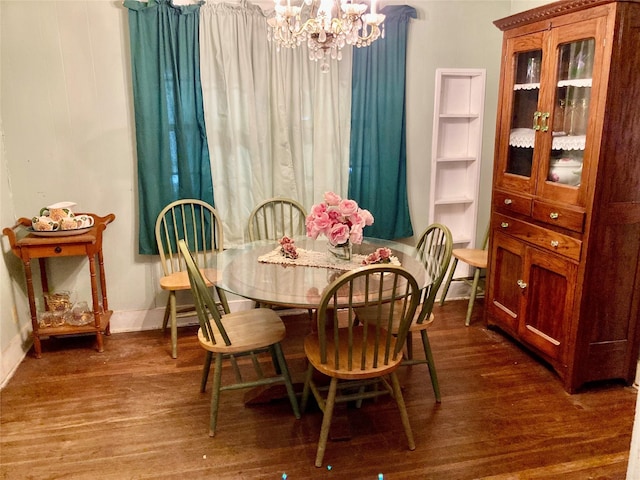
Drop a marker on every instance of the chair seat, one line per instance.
(312, 350)
(472, 256)
(247, 329)
(180, 280)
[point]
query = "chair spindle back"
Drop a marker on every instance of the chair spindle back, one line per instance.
(205, 304)
(369, 286)
(434, 249)
(191, 220)
(275, 218)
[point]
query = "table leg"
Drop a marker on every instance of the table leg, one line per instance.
(37, 347)
(103, 288)
(96, 306)
(43, 278)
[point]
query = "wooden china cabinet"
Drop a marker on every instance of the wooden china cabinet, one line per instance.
(564, 257)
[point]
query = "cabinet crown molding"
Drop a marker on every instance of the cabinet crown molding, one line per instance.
(555, 9)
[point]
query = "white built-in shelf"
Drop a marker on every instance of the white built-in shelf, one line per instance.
(461, 242)
(454, 200)
(459, 115)
(456, 159)
(456, 153)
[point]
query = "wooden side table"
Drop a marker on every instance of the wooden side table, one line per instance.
(27, 246)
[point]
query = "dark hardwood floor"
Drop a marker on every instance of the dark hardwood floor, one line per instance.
(134, 413)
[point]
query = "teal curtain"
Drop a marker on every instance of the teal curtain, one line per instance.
(173, 156)
(378, 158)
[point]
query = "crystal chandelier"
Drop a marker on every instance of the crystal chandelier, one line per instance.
(328, 26)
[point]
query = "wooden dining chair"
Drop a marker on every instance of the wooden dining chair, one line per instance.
(434, 250)
(199, 225)
(275, 218)
(476, 258)
(359, 357)
(233, 335)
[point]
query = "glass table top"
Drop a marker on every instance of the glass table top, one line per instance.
(238, 271)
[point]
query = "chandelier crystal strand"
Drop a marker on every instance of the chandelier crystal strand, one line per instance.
(326, 25)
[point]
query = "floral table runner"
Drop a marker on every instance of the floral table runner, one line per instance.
(311, 258)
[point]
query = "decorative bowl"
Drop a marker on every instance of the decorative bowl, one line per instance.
(567, 171)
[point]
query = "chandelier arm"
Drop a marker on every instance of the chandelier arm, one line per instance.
(373, 34)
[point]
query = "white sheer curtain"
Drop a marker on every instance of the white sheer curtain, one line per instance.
(276, 125)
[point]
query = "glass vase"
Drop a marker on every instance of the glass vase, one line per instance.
(339, 253)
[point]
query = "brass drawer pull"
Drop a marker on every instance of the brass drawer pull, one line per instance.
(504, 224)
(554, 215)
(508, 201)
(555, 243)
(522, 284)
(57, 249)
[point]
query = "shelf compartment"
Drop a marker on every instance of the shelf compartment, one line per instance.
(105, 317)
(454, 182)
(458, 137)
(460, 94)
(456, 217)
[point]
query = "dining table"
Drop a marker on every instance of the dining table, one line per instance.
(258, 271)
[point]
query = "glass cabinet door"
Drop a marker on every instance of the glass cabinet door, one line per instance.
(570, 112)
(522, 77)
(524, 115)
(569, 96)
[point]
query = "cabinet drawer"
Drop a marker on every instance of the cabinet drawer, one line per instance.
(562, 217)
(57, 251)
(540, 237)
(507, 202)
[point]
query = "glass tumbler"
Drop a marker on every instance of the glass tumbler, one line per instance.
(558, 117)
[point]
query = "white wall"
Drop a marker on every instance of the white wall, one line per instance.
(68, 134)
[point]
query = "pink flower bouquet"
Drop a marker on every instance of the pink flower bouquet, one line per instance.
(340, 220)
